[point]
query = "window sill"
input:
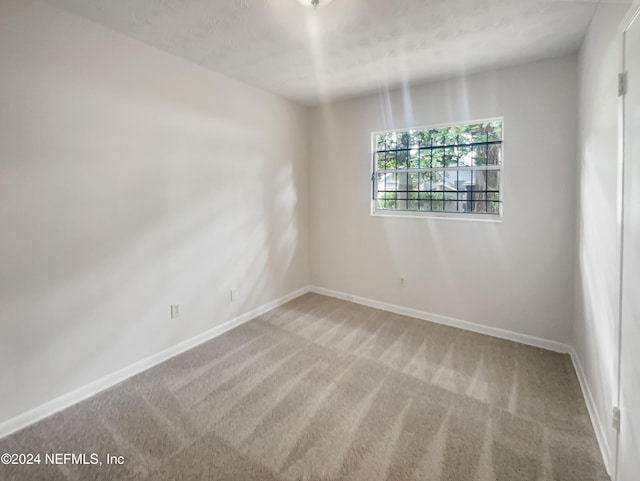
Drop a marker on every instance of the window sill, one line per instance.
(440, 216)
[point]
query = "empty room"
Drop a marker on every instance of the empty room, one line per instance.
(320, 240)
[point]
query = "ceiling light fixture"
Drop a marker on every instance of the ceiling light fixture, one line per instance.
(314, 3)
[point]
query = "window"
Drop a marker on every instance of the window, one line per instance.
(452, 170)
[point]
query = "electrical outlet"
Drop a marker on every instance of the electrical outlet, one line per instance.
(175, 311)
(402, 282)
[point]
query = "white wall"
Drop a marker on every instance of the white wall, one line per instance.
(130, 180)
(595, 333)
(515, 275)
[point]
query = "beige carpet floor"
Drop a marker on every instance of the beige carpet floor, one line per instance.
(322, 389)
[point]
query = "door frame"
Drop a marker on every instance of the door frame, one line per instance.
(632, 15)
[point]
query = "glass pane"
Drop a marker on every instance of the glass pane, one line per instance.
(414, 158)
(462, 179)
(462, 196)
(467, 157)
(431, 180)
(423, 137)
(437, 156)
(387, 182)
(414, 181)
(494, 154)
(440, 190)
(450, 179)
(478, 156)
(402, 157)
(494, 207)
(493, 179)
(425, 159)
(402, 181)
(452, 135)
(449, 157)
(478, 202)
(493, 131)
(439, 181)
(403, 140)
(385, 160)
(437, 200)
(438, 136)
(472, 134)
(392, 160)
(461, 153)
(450, 202)
(414, 139)
(387, 200)
(425, 181)
(385, 141)
(479, 180)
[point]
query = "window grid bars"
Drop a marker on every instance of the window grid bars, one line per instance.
(495, 201)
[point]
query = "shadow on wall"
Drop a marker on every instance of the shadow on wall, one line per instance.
(598, 282)
(108, 231)
(515, 274)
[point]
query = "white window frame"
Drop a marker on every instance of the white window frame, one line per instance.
(480, 217)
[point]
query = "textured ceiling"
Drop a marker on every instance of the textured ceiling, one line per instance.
(349, 47)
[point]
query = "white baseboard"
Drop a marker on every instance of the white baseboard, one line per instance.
(40, 412)
(448, 321)
(598, 427)
(58, 404)
(596, 421)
